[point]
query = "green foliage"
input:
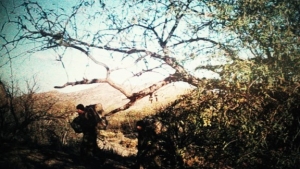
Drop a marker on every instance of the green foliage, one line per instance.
(269, 28)
(254, 128)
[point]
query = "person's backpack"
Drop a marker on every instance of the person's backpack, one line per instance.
(76, 125)
(97, 110)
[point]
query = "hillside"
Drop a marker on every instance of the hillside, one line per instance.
(118, 142)
(110, 98)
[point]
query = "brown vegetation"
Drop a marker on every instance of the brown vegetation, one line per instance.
(52, 132)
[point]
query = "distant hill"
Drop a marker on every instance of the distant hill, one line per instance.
(112, 98)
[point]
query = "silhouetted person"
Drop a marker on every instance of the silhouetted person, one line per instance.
(147, 139)
(86, 123)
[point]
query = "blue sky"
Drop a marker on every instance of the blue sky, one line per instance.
(43, 65)
(49, 72)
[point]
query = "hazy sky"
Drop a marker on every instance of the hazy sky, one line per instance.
(49, 72)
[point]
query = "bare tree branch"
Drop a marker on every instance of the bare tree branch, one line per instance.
(146, 32)
(141, 94)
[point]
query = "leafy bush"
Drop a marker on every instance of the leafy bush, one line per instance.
(234, 128)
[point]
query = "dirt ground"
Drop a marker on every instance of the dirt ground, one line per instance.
(112, 155)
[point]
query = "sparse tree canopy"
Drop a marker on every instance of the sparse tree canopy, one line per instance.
(159, 36)
(268, 28)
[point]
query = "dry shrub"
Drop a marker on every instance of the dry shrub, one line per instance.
(117, 143)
